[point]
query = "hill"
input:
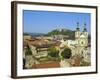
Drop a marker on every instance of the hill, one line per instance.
(66, 32)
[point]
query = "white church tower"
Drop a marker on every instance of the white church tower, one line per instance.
(83, 40)
(77, 34)
(85, 33)
(85, 30)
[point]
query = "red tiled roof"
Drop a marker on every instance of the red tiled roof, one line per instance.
(47, 65)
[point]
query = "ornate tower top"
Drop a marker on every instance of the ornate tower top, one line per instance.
(84, 28)
(77, 26)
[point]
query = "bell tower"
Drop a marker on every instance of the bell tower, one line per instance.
(77, 32)
(85, 33)
(85, 30)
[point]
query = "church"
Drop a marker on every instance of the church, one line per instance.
(79, 45)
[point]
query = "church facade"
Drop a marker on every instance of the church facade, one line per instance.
(79, 46)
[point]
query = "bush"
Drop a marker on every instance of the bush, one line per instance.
(53, 52)
(66, 53)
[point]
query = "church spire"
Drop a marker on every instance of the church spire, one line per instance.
(77, 26)
(84, 27)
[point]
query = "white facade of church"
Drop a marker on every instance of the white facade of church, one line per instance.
(79, 46)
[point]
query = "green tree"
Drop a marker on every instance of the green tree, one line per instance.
(28, 51)
(53, 52)
(66, 53)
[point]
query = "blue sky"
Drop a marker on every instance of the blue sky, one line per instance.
(46, 21)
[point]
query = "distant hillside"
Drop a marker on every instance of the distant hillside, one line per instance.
(66, 32)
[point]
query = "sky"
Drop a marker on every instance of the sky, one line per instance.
(46, 21)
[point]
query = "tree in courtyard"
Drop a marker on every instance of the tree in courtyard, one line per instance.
(66, 53)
